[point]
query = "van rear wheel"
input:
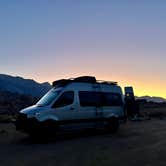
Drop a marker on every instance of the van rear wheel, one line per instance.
(112, 125)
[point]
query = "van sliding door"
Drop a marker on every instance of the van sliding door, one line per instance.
(90, 109)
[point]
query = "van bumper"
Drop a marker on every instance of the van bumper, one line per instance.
(25, 124)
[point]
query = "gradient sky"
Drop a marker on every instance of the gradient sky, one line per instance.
(119, 40)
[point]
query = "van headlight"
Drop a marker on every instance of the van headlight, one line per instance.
(37, 114)
(33, 115)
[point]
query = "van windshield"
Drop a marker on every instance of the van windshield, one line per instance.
(48, 97)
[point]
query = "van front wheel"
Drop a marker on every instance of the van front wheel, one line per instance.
(112, 125)
(45, 130)
(49, 128)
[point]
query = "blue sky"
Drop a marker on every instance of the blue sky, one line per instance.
(121, 40)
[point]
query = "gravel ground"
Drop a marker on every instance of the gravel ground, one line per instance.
(136, 143)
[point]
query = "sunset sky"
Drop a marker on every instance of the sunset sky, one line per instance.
(119, 40)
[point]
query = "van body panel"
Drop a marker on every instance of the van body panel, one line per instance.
(83, 111)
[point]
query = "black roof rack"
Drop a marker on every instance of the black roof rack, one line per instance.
(61, 83)
(107, 82)
(82, 79)
(88, 79)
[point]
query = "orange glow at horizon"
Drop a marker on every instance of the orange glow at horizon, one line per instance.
(142, 86)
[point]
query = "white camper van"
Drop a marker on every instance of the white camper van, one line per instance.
(82, 102)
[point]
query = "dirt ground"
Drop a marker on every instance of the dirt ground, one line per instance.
(136, 143)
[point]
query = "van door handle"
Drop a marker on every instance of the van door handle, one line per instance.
(71, 108)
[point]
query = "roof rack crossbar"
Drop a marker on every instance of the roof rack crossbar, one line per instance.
(107, 82)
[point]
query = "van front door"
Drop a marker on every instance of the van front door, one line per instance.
(64, 109)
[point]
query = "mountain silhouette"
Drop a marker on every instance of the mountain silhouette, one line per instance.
(23, 86)
(30, 87)
(152, 99)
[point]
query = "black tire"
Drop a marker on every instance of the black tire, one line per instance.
(112, 125)
(46, 130)
(49, 128)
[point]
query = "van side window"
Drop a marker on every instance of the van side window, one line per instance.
(88, 99)
(65, 99)
(112, 99)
